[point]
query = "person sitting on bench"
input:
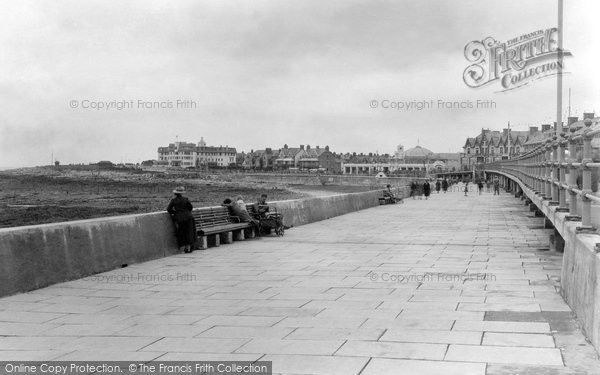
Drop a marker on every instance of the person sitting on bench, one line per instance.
(388, 194)
(238, 208)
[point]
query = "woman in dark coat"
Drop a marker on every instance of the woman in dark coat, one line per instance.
(438, 185)
(426, 189)
(445, 185)
(180, 210)
(413, 190)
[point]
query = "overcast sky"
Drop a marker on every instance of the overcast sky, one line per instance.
(266, 73)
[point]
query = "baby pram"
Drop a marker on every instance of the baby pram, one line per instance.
(271, 220)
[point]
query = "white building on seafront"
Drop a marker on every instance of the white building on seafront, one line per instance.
(402, 161)
(185, 155)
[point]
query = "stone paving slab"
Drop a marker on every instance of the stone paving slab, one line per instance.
(449, 285)
(325, 365)
(509, 355)
(431, 336)
(382, 349)
(518, 339)
(379, 366)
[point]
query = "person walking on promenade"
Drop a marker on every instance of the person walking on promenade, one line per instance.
(419, 190)
(445, 185)
(180, 210)
(426, 189)
(496, 187)
(413, 189)
(480, 187)
(438, 185)
(466, 189)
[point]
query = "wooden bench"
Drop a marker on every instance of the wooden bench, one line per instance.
(214, 226)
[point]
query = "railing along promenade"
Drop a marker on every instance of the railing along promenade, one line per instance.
(551, 170)
(559, 177)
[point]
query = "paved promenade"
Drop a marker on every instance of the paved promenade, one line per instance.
(450, 285)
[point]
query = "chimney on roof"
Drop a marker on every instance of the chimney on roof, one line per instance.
(307, 147)
(533, 129)
(588, 115)
(326, 148)
(301, 147)
(572, 119)
(317, 147)
(505, 132)
(285, 146)
(546, 127)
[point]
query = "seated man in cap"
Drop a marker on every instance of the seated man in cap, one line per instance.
(388, 194)
(269, 220)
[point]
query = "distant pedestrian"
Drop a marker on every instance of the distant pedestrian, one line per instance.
(180, 210)
(413, 190)
(419, 190)
(445, 185)
(488, 185)
(438, 186)
(480, 187)
(466, 189)
(496, 187)
(426, 189)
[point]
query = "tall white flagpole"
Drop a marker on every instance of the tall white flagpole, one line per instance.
(559, 88)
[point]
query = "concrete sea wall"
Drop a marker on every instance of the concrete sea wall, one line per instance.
(308, 210)
(36, 256)
(313, 179)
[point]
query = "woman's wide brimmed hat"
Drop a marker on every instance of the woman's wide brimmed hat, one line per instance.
(179, 190)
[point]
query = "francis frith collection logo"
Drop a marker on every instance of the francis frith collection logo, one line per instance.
(514, 63)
